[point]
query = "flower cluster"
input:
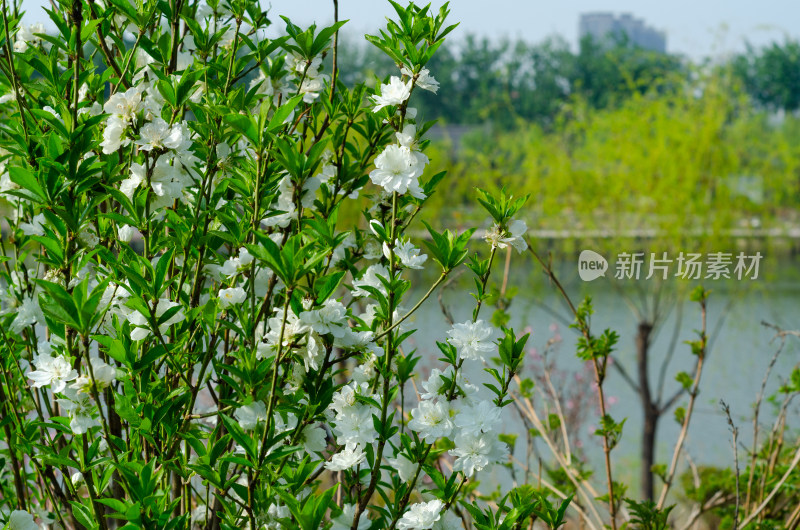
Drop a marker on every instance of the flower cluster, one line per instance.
(192, 323)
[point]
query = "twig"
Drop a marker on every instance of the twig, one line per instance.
(756, 410)
(735, 433)
(789, 471)
(692, 397)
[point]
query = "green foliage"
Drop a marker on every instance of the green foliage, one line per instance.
(646, 516)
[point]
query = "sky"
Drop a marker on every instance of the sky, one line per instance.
(696, 28)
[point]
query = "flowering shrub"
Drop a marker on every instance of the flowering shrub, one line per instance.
(189, 337)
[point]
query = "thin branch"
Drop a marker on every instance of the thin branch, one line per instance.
(693, 396)
(735, 433)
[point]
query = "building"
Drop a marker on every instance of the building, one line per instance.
(605, 26)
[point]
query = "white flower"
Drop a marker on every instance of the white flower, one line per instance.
(421, 515)
(431, 420)
(331, 318)
(313, 439)
(9, 96)
(354, 426)
(125, 105)
(350, 457)
(346, 396)
(28, 313)
(77, 479)
(159, 135)
(275, 513)
(232, 296)
(20, 519)
(80, 408)
(89, 237)
(434, 386)
(366, 371)
(141, 323)
(407, 253)
(345, 520)
(269, 342)
(124, 233)
(129, 185)
(499, 238)
(311, 87)
(370, 279)
(483, 416)
(112, 135)
(248, 416)
(396, 169)
(449, 521)
(311, 352)
(393, 93)
(35, 227)
(104, 375)
(405, 468)
(470, 338)
(356, 340)
(168, 181)
(474, 452)
(425, 80)
(53, 371)
(26, 36)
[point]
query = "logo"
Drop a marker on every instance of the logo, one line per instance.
(591, 265)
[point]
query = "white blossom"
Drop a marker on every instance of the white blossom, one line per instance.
(370, 278)
(28, 313)
(124, 233)
(35, 227)
(346, 459)
(475, 451)
(231, 296)
(471, 339)
(20, 519)
(104, 375)
(421, 515)
(407, 253)
(434, 386)
(27, 36)
(397, 170)
(431, 420)
(129, 185)
(125, 105)
(53, 371)
(405, 468)
(313, 439)
(345, 520)
(499, 238)
(113, 135)
(248, 416)
(483, 416)
(141, 323)
(425, 80)
(158, 134)
(354, 426)
(393, 93)
(331, 318)
(79, 407)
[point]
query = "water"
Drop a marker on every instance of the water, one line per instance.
(740, 351)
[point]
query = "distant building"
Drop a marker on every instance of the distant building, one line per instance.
(604, 26)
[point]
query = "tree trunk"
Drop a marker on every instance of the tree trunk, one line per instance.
(649, 409)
